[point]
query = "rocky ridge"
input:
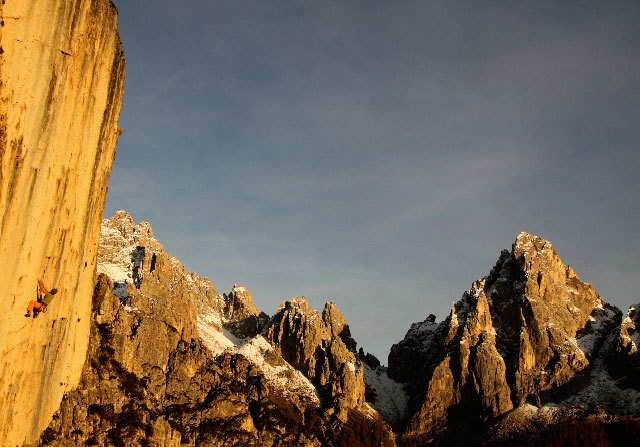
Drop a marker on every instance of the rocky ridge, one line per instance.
(173, 362)
(528, 354)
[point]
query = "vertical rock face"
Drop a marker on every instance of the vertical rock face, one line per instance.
(468, 376)
(61, 86)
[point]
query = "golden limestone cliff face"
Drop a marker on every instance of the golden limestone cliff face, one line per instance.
(61, 86)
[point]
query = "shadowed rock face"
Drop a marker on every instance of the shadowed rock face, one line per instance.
(61, 87)
(624, 361)
(467, 373)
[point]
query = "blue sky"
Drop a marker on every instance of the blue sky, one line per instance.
(380, 154)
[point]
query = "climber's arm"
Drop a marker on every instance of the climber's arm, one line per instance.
(42, 287)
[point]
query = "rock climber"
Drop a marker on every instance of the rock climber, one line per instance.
(40, 305)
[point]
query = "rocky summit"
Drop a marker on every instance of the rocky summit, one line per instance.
(530, 355)
(524, 357)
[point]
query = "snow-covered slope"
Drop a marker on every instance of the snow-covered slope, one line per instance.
(282, 376)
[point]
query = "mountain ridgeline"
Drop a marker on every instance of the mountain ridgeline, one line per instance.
(530, 355)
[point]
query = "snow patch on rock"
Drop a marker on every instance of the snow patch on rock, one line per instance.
(391, 400)
(600, 323)
(120, 255)
(285, 379)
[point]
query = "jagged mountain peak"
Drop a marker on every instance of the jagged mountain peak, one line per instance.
(241, 316)
(531, 331)
(125, 224)
(240, 303)
(334, 319)
(538, 254)
(527, 242)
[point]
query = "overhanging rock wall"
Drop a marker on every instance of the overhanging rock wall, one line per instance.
(62, 80)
